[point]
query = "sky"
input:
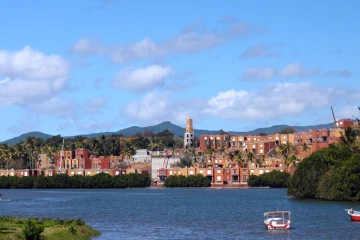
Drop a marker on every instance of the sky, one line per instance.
(77, 67)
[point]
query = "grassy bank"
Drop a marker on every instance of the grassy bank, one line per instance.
(33, 228)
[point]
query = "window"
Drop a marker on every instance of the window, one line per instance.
(116, 173)
(170, 172)
(218, 178)
(244, 178)
(218, 171)
(209, 172)
(267, 170)
(201, 171)
(252, 171)
(234, 171)
(261, 171)
(244, 170)
(191, 172)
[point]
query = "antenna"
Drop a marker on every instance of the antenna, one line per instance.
(62, 154)
(333, 117)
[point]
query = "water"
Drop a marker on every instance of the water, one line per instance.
(154, 213)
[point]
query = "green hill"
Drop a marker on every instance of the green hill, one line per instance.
(22, 137)
(177, 130)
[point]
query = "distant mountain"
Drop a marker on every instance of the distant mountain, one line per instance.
(22, 137)
(178, 131)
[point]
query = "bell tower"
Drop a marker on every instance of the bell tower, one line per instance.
(189, 135)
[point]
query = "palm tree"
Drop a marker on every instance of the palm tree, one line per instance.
(80, 142)
(231, 156)
(305, 148)
(222, 150)
(250, 157)
(211, 153)
(239, 158)
(286, 151)
(29, 145)
(49, 151)
(348, 137)
(114, 147)
(102, 142)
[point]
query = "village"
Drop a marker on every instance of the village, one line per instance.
(227, 160)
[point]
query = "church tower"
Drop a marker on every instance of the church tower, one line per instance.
(189, 135)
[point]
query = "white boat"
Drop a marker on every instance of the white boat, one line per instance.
(277, 220)
(4, 200)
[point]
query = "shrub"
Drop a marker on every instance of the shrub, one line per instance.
(32, 229)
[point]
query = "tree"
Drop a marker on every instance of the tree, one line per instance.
(286, 151)
(305, 148)
(222, 132)
(287, 130)
(239, 158)
(222, 150)
(250, 157)
(80, 142)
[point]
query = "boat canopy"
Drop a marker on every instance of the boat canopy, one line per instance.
(277, 213)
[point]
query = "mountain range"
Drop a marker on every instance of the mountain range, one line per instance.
(177, 130)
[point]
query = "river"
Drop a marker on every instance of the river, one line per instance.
(160, 213)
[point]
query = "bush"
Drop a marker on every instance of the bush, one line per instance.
(32, 229)
(190, 181)
(274, 179)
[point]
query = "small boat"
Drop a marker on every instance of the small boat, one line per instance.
(277, 220)
(354, 215)
(4, 200)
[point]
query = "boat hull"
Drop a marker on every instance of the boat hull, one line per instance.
(355, 218)
(279, 227)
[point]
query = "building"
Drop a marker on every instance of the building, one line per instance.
(189, 135)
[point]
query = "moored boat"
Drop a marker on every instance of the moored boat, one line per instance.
(354, 215)
(277, 220)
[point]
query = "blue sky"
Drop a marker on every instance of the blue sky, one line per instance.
(77, 67)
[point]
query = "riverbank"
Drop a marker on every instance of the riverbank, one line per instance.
(161, 185)
(18, 228)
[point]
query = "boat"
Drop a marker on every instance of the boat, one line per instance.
(354, 215)
(277, 220)
(4, 200)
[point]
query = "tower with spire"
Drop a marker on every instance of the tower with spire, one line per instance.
(189, 135)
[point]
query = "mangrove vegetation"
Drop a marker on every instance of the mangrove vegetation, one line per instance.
(101, 180)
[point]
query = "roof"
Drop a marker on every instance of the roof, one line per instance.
(277, 213)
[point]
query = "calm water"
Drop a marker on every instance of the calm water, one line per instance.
(185, 213)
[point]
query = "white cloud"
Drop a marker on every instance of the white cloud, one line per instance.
(94, 105)
(141, 79)
(273, 101)
(293, 70)
(158, 106)
(54, 106)
(260, 50)
(297, 70)
(31, 76)
(343, 73)
(347, 112)
(25, 124)
(193, 39)
(30, 64)
(260, 73)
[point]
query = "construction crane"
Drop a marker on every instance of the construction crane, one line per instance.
(166, 159)
(62, 154)
(332, 110)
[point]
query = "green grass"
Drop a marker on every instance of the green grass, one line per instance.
(12, 227)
